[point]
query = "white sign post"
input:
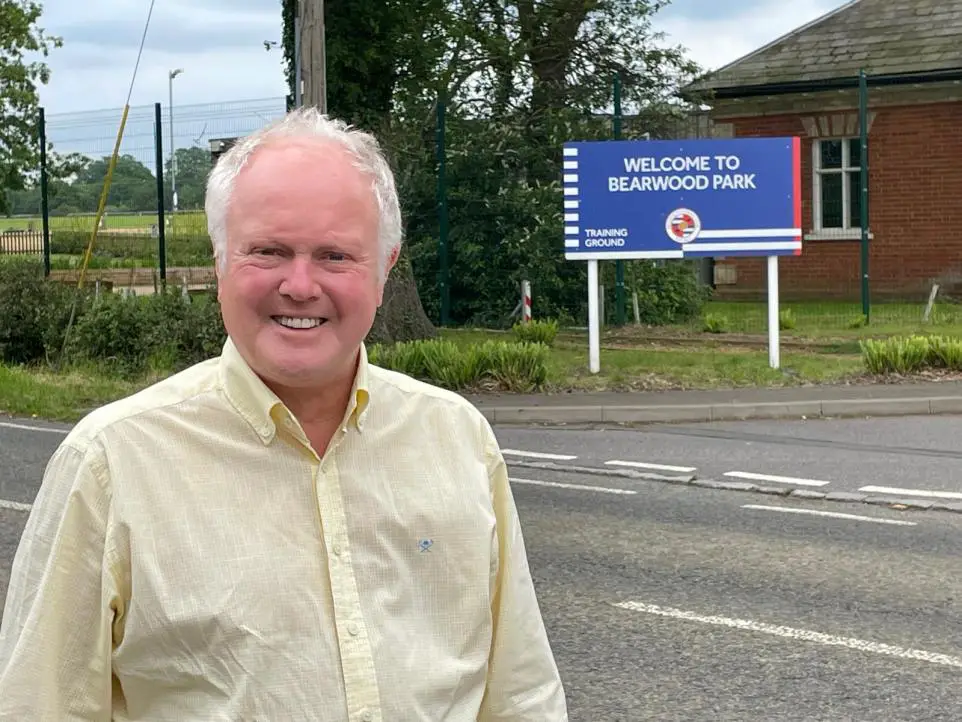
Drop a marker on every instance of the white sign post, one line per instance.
(677, 199)
(773, 328)
(594, 323)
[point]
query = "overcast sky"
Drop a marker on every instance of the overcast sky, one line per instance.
(220, 45)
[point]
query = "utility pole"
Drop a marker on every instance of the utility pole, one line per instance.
(311, 54)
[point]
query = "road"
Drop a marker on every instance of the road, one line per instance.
(910, 456)
(668, 602)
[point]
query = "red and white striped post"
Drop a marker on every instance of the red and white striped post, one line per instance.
(525, 301)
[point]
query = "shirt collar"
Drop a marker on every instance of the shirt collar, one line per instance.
(260, 407)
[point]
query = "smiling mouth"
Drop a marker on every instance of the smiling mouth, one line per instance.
(299, 323)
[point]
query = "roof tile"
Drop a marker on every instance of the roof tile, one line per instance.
(887, 36)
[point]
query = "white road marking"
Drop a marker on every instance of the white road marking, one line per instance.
(912, 492)
(802, 635)
(832, 514)
(645, 465)
(775, 479)
(46, 429)
(14, 505)
(578, 487)
(537, 455)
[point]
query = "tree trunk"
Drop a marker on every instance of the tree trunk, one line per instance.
(401, 316)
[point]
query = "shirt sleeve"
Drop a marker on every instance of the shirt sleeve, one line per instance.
(523, 681)
(56, 631)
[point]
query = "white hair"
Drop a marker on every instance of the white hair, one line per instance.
(309, 123)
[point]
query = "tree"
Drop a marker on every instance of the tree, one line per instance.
(133, 187)
(19, 100)
(363, 65)
(517, 78)
(193, 166)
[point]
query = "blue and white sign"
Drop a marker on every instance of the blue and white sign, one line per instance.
(682, 198)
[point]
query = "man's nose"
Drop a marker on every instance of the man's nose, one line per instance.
(300, 282)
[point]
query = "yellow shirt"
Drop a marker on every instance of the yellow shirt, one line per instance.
(189, 557)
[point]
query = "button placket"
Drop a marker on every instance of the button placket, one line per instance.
(355, 650)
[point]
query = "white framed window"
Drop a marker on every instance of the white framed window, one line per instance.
(837, 187)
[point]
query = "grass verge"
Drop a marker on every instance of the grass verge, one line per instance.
(705, 366)
(58, 396)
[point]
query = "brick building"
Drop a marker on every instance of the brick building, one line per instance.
(806, 84)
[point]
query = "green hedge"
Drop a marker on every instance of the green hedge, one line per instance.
(34, 312)
(132, 335)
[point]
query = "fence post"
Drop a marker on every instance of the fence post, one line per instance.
(161, 230)
(444, 277)
(863, 172)
(619, 264)
(526, 302)
(44, 198)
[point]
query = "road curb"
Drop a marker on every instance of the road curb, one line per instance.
(680, 413)
(788, 491)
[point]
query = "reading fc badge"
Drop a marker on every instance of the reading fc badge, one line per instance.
(683, 225)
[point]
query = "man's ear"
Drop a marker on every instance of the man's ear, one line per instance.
(219, 276)
(391, 261)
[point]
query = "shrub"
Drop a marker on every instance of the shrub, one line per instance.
(897, 355)
(786, 320)
(34, 312)
(163, 331)
(515, 367)
(511, 366)
(859, 321)
(716, 323)
(668, 293)
(945, 353)
(536, 331)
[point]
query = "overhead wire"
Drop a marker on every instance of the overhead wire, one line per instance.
(105, 191)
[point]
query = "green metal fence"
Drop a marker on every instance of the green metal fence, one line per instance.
(146, 225)
(874, 259)
(482, 202)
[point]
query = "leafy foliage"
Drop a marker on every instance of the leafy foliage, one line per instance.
(517, 79)
(537, 331)
(911, 354)
(33, 312)
(509, 366)
(20, 37)
(131, 334)
(716, 323)
(787, 320)
(668, 293)
(127, 334)
(76, 183)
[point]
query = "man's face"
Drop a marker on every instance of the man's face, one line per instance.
(301, 285)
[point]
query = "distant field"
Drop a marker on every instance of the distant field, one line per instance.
(182, 219)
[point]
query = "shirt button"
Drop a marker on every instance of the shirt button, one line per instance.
(337, 550)
(353, 629)
(366, 716)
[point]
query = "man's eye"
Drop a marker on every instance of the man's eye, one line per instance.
(336, 257)
(266, 251)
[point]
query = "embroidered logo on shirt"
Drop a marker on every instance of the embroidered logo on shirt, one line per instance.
(425, 545)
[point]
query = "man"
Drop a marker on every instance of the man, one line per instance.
(285, 532)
